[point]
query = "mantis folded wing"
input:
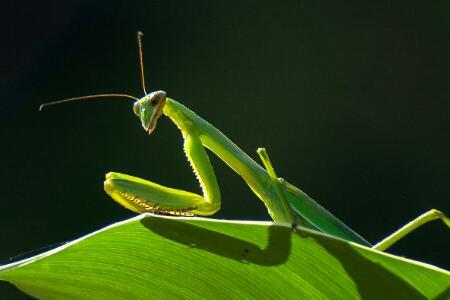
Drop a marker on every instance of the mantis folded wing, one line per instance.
(285, 203)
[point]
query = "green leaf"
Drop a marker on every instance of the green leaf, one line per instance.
(160, 257)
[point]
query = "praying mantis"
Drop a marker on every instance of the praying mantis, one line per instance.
(285, 202)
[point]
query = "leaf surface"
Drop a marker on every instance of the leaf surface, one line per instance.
(162, 257)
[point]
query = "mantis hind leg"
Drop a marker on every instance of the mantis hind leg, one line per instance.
(430, 215)
(141, 195)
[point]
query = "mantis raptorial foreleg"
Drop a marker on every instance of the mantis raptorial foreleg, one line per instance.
(285, 202)
(141, 195)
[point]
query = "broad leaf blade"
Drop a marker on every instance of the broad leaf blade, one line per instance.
(162, 257)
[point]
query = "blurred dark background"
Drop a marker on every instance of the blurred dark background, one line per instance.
(351, 100)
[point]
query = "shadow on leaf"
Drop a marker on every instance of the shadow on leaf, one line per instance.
(275, 253)
(372, 280)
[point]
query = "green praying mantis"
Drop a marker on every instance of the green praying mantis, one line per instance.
(285, 203)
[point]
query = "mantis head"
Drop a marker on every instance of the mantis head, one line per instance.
(149, 109)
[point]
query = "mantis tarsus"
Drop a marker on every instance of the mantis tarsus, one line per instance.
(284, 202)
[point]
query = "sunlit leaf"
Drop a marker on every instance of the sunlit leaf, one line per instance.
(159, 257)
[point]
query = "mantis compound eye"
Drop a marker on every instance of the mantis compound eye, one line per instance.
(137, 108)
(157, 98)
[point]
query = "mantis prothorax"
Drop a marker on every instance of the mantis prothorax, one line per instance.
(284, 202)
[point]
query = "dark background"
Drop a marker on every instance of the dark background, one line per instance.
(351, 100)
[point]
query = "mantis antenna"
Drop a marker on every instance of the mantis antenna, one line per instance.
(141, 63)
(141, 60)
(85, 98)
